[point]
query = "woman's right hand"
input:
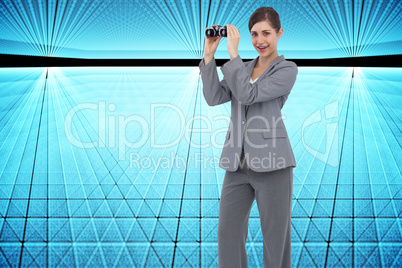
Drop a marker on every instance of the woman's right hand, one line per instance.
(211, 44)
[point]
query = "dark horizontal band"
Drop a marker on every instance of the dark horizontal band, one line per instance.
(7, 60)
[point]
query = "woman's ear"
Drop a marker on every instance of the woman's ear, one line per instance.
(280, 32)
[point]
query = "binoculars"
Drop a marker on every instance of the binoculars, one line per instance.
(216, 31)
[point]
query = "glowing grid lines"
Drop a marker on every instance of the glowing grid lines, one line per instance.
(77, 206)
(175, 29)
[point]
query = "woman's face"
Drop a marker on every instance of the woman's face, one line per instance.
(264, 38)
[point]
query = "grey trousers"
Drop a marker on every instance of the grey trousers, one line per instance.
(273, 192)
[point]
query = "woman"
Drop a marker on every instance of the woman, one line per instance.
(257, 155)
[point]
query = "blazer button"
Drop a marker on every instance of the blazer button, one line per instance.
(242, 122)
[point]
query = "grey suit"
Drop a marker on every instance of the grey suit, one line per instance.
(262, 133)
(257, 157)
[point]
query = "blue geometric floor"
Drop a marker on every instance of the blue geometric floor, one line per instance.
(83, 181)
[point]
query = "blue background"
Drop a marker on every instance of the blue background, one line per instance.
(62, 205)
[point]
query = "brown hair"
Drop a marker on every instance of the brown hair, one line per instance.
(265, 13)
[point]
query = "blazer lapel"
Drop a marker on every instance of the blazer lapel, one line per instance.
(252, 63)
(250, 67)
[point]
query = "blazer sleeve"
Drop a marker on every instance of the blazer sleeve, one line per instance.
(278, 84)
(215, 92)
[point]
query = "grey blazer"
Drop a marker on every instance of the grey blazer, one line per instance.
(260, 131)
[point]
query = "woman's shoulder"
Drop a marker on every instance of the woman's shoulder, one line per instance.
(280, 63)
(288, 63)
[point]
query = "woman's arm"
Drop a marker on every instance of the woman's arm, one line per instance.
(278, 84)
(215, 92)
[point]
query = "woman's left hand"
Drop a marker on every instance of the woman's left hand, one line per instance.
(233, 38)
